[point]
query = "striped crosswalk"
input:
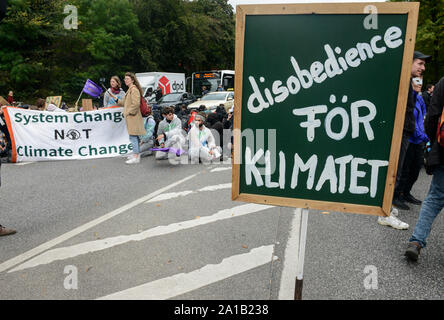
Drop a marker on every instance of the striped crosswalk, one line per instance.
(173, 285)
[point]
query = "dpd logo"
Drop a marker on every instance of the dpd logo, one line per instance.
(164, 83)
(178, 86)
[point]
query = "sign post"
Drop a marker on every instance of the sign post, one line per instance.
(320, 99)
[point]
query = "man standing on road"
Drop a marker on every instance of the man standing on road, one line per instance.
(418, 68)
(3, 230)
(434, 202)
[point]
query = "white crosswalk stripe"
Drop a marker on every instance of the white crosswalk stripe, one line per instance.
(178, 284)
(172, 195)
(97, 245)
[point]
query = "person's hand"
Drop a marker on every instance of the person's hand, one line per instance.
(211, 152)
(161, 136)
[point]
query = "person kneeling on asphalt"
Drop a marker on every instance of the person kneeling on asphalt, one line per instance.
(169, 133)
(147, 140)
(201, 142)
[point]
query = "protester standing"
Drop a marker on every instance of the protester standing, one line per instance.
(427, 95)
(132, 114)
(114, 93)
(434, 201)
(417, 69)
(158, 93)
(414, 158)
(11, 98)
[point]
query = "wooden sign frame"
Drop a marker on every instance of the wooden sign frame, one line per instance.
(242, 11)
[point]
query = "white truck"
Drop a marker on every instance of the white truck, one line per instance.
(167, 81)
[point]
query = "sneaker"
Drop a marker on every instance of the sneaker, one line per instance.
(399, 203)
(411, 199)
(393, 222)
(133, 160)
(5, 232)
(413, 250)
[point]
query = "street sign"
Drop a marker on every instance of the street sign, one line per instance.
(321, 92)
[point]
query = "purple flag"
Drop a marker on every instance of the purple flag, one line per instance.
(92, 89)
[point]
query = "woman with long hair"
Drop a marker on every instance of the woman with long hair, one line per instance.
(132, 114)
(114, 93)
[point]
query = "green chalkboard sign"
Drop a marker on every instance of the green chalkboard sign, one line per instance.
(321, 92)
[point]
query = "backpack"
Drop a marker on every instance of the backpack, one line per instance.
(145, 109)
(440, 130)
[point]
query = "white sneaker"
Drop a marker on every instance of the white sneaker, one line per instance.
(133, 160)
(393, 222)
(130, 157)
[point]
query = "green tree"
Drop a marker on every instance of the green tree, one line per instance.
(430, 37)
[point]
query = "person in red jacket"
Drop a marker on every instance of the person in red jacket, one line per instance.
(11, 98)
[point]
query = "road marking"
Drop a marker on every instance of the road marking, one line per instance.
(178, 284)
(22, 163)
(167, 196)
(221, 169)
(47, 245)
(102, 244)
(290, 261)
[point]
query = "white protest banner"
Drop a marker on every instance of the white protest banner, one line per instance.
(41, 135)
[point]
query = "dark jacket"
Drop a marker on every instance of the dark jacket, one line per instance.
(409, 121)
(427, 98)
(436, 155)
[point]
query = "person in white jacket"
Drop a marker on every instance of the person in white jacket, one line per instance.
(201, 142)
(170, 133)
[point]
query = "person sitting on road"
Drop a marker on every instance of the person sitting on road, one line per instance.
(216, 128)
(147, 140)
(169, 133)
(201, 142)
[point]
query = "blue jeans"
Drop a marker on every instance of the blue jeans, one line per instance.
(135, 143)
(430, 208)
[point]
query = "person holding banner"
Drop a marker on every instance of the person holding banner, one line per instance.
(114, 93)
(132, 114)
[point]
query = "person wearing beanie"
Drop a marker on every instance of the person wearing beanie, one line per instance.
(201, 141)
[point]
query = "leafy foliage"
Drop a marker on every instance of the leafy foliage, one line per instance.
(430, 37)
(39, 57)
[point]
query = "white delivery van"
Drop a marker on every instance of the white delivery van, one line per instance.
(169, 82)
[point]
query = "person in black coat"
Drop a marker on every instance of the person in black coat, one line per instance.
(215, 125)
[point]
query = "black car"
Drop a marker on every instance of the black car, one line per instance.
(174, 99)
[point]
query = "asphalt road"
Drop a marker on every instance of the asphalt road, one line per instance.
(100, 229)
